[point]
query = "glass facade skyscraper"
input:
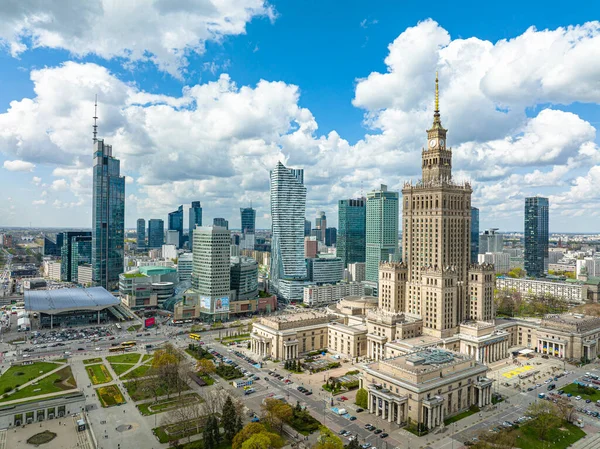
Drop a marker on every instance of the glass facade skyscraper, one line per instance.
(381, 231)
(288, 208)
(141, 233)
(352, 225)
(474, 234)
(248, 216)
(108, 217)
(536, 235)
(156, 233)
(221, 222)
(71, 241)
(194, 219)
(176, 223)
(321, 226)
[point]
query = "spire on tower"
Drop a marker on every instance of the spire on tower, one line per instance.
(95, 117)
(437, 93)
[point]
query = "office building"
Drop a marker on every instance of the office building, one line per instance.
(195, 219)
(491, 242)
(381, 231)
(222, 223)
(175, 223)
(330, 236)
(501, 261)
(248, 220)
(108, 217)
(52, 246)
(325, 270)
(311, 247)
(83, 251)
(573, 291)
(211, 276)
(156, 233)
(352, 226)
(84, 275)
(536, 235)
(141, 233)
(322, 295)
(169, 251)
(184, 267)
(474, 234)
(172, 238)
(307, 228)
(320, 226)
(244, 278)
(288, 208)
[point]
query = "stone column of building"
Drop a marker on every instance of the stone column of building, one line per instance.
(429, 418)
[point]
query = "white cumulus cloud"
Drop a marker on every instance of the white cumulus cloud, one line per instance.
(18, 166)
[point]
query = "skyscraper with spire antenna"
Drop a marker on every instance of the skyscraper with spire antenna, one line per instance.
(108, 214)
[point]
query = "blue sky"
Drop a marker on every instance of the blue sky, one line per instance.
(205, 127)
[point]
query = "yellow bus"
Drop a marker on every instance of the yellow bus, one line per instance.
(195, 337)
(116, 349)
(128, 344)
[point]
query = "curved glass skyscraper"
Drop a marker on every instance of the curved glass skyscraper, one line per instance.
(288, 207)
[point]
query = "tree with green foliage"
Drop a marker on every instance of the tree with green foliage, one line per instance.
(362, 398)
(228, 419)
(545, 418)
(328, 440)
(207, 436)
(352, 444)
(216, 434)
(238, 423)
(257, 441)
(244, 435)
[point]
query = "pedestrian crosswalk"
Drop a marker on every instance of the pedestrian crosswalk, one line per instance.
(3, 439)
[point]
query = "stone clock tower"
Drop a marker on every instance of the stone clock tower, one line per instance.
(437, 160)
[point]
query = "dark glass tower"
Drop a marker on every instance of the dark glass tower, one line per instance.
(352, 226)
(248, 220)
(141, 233)
(474, 234)
(76, 245)
(156, 233)
(108, 217)
(330, 236)
(195, 219)
(176, 223)
(221, 222)
(536, 235)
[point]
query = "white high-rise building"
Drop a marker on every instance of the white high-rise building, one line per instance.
(184, 266)
(210, 270)
(490, 242)
(173, 237)
(169, 251)
(288, 208)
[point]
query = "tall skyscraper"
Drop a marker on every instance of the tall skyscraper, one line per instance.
(156, 233)
(194, 219)
(141, 233)
(436, 244)
(536, 235)
(176, 223)
(307, 228)
(330, 236)
(321, 226)
(210, 271)
(108, 217)
(288, 207)
(352, 225)
(381, 230)
(248, 216)
(474, 234)
(221, 222)
(73, 244)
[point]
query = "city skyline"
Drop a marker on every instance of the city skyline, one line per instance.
(536, 135)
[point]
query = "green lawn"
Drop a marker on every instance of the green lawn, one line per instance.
(138, 393)
(130, 357)
(134, 327)
(110, 395)
(98, 374)
(178, 431)
(164, 405)
(584, 392)
(120, 368)
(462, 415)
(147, 357)
(140, 371)
(59, 381)
(94, 360)
(18, 375)
(559, 438)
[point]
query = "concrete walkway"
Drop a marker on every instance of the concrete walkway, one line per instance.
(587, 442)
(41, 396)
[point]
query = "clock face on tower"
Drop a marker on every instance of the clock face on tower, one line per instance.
(442, 142)
(432, 143)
